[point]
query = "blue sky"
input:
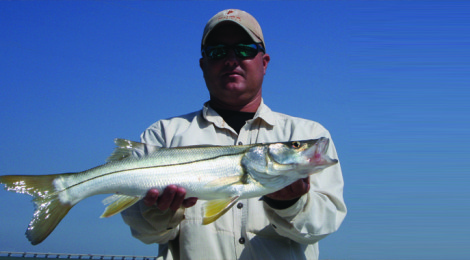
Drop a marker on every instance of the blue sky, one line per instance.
(389, 80)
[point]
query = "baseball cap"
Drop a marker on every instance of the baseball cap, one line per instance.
(242, 18)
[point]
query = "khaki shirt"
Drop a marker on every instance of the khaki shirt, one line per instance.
(251, 229)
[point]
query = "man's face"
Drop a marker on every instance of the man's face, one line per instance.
(232, 81)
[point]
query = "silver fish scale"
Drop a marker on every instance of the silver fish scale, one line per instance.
(180, 155)
(160, 157)
(120, 178)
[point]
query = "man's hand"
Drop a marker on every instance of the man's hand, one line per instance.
(172, 197)
(293, 191)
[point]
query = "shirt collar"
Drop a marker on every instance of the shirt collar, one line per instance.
(264, 113)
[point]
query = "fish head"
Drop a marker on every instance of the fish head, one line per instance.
(302, 157)
(277, 165)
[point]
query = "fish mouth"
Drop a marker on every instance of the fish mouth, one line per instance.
(323, 149)
(316, 154)
(323, 145)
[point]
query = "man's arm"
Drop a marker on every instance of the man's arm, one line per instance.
(313, 215)
(156, 218)
(289, 195)
(167, 208)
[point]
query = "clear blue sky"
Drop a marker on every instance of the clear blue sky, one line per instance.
(389, 79)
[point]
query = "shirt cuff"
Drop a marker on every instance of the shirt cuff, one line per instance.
(292, 211)
(279, 204)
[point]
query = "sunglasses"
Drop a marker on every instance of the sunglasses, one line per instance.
(244, 51)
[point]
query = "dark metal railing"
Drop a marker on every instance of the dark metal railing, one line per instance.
(74, 256)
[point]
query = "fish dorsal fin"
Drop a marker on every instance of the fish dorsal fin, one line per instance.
(214, 209)
(118, 203)
(126, 148)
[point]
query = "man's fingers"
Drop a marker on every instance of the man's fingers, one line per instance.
(189, 202)
(164, 201)
(178, 198)
(307, 183)
(151, 197)
(172, 197)
(300, 187)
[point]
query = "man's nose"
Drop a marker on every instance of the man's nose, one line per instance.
(231, 58)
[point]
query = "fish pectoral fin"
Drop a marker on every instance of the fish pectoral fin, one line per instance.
(214, 209)
(118, 203)
(226, 181)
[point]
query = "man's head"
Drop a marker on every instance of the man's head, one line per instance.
(233, 60)
(242, 18)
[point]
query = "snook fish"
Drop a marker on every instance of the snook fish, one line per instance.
(219, 174)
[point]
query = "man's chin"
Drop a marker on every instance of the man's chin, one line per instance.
(234, 86)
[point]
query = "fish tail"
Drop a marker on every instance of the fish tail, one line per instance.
(49, 210)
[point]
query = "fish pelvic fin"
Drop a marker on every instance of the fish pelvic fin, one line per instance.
(214, 209)
(118, 203)
(49, 211)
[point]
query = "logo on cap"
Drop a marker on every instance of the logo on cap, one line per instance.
(230, 15)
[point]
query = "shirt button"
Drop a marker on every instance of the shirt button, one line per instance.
(241, 240)
(240, 205)
(240, 143)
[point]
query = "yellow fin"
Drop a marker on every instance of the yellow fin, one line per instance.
(49, 210)
(214, 209)
(118, 203)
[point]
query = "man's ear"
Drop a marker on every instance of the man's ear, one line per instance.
(266, 59)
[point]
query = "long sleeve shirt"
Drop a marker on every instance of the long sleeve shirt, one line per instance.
(251, 229)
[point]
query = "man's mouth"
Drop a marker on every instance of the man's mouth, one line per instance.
(232, 73)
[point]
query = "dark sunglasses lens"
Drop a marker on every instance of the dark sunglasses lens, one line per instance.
(241, 50)
(246, 50)
(216, 52)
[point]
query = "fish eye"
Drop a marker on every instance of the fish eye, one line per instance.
(296, 144)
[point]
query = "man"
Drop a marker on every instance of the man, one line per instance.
(284, 225)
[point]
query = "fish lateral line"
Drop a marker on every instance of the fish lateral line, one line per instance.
(136, 169)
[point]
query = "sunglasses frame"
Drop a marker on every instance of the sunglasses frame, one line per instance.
(227, 48)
